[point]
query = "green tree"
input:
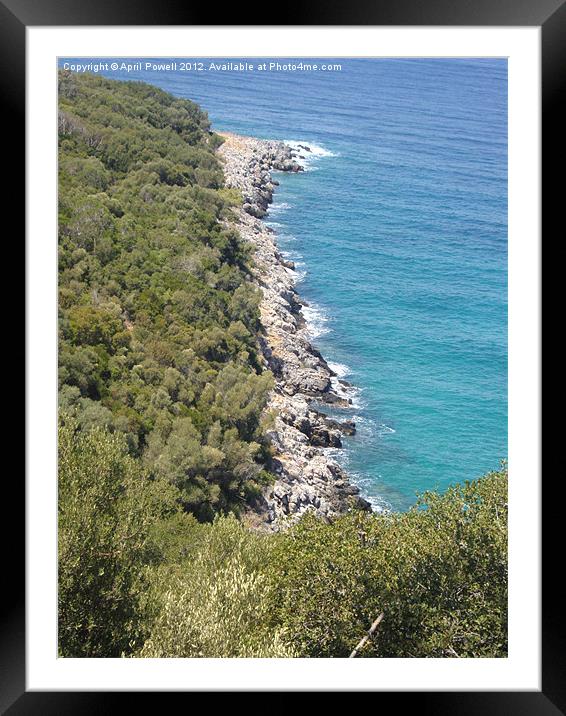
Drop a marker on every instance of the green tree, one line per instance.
(216, 605)
(438, 572)
(107, 507)
(158, 317)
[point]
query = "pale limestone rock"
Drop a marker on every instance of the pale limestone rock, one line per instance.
(308, 478)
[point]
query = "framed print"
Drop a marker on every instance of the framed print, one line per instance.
(283, 363)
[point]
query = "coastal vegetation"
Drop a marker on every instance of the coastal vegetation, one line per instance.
(162, 433)
(158, 318)
(139, 576)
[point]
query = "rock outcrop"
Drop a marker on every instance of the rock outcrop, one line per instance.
(308, 478)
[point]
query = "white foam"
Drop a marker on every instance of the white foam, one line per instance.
(279, 206)
(340, 369)
(378, 504)
(315, 149)
(365, 427)
(297, 274)
(316, 321)
(304, 157)
(291, 255)
(338, 454)
(353, 393)
(300, 271)
(285, 238)
(365, 484)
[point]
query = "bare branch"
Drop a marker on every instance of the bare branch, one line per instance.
(367, 637)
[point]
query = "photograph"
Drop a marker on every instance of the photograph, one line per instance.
(282, 357)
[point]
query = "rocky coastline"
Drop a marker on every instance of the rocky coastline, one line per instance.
(307, 476)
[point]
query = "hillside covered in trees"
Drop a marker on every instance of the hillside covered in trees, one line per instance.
(162, 433)
(158, 317)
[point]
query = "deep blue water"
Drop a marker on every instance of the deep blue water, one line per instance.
(400, 232)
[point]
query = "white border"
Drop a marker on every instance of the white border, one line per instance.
(521, 671)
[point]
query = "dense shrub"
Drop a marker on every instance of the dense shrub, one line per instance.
(107, 507)
(158, 316)
(139, 576)
(216, 604)
(438, 572)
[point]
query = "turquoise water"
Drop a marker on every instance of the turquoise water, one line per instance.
(399, 231)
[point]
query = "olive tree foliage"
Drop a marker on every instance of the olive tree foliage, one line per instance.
(140, 577)
(217, 603)
(107, 506)
(438, 572)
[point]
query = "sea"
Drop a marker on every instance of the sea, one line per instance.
(398, 229)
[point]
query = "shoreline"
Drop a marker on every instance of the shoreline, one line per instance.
(307, 477)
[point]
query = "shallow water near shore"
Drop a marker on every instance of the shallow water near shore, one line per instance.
(398, 228)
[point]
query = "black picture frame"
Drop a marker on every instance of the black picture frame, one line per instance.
(550, 15)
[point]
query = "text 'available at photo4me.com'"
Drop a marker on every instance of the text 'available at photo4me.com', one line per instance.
(193, 65)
